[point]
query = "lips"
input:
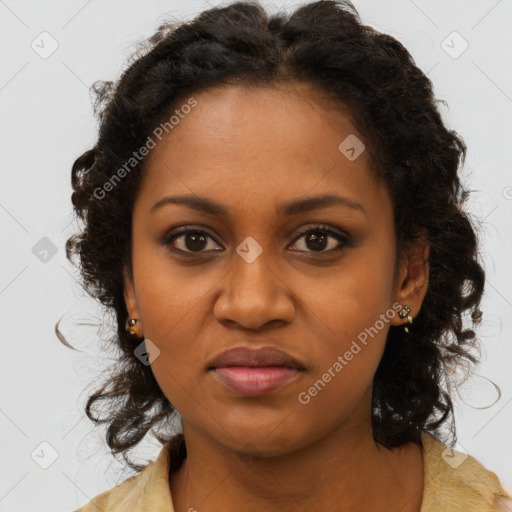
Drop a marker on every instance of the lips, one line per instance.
(252, 372)
(245, 356)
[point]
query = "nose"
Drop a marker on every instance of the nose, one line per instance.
(254, 294)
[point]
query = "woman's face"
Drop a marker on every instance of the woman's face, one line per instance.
(254, 277)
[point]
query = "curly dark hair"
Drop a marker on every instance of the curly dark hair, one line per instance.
(392, 104)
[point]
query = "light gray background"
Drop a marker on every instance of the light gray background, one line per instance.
(46, 122)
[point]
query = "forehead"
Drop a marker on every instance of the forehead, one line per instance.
(260, 144)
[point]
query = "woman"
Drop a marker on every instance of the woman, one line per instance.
(273, 212)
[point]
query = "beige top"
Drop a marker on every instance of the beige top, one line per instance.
(453, 482)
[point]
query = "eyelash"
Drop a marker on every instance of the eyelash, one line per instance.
(170, 237)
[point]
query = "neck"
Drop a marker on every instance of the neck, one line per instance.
(344, 470)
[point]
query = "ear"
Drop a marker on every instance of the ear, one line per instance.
(412, 279)
(130, 297)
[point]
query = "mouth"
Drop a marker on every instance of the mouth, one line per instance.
(250, 372)
(255, 380)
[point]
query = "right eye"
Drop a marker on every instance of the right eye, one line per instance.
(189, 240)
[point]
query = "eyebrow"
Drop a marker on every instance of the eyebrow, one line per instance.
(293, 207)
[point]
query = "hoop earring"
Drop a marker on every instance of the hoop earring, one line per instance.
(405, 312)
(133, 329)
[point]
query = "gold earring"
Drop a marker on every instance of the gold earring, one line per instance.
(134, 329)
(405, 312)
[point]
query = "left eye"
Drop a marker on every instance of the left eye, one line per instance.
(318, 238)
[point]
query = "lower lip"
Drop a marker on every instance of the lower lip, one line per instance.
(254, 380)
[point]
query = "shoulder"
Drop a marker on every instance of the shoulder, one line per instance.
(148, 490)
(502, 504)
(127, 493)
(453, 478)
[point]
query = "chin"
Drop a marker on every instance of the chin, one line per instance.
(258, 442)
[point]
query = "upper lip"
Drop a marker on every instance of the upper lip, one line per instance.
(245, 356)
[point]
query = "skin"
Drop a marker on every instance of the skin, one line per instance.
(251, 150)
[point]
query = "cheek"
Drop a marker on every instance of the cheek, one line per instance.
(173, 306)
(175, 328)
(169, 295)
(349, 306)
(348, 324)
(179, 367)
(344, 366)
